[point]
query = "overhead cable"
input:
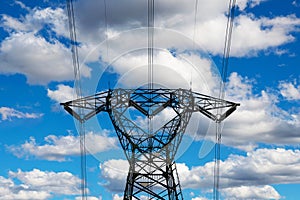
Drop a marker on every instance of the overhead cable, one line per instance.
(77, 85)
(224, 71)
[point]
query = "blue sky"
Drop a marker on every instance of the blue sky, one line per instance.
(39, 140)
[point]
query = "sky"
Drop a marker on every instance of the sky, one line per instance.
(39, 145)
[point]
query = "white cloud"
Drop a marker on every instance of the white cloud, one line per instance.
(44, 60)
(290, 90)
(117, 197)
(114, 172)
(89, 198)
(251, 192)
(253, 3)
(38, 185)
(181, 69)
(243, 4)
(12, 23)
(258, 119)
(259, 167)
(10, 113)
(63, 93)
(252, 35)
(253, 173)
(68, 183)
(22, 5)
(199, 198)
(59, 147)
(158, 120)
(41, 61)
(35, 19)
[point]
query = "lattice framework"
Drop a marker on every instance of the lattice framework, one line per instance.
(151, 154)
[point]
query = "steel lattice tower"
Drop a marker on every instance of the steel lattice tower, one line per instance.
(150, 154)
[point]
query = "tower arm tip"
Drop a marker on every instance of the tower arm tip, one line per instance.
(88, 106)
(228, 112)
(213, 108)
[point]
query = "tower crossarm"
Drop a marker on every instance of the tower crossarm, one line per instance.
(89, 105)
(213, 108)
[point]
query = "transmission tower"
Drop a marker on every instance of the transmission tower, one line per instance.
(152, 169)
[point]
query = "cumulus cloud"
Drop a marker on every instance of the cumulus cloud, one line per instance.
(10, 113)
(114, 172)
(251, 34)
(35, 19)
(58, 148)
(199, 198)
(63, 93)
(289, 90)
(259, 118)
(40, 58)
(117, 197)
(185, 70)
(253, 174)
(259, 167)
(38, 185)
(251, 192)
(43, 58)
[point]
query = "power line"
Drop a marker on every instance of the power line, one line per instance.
(106, 26)
(77, 84)
(150, 56)
(226, 53)
(150, 42)
(150, 27)
(195, 22)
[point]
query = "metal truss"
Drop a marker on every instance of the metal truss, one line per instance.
(152, 172)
